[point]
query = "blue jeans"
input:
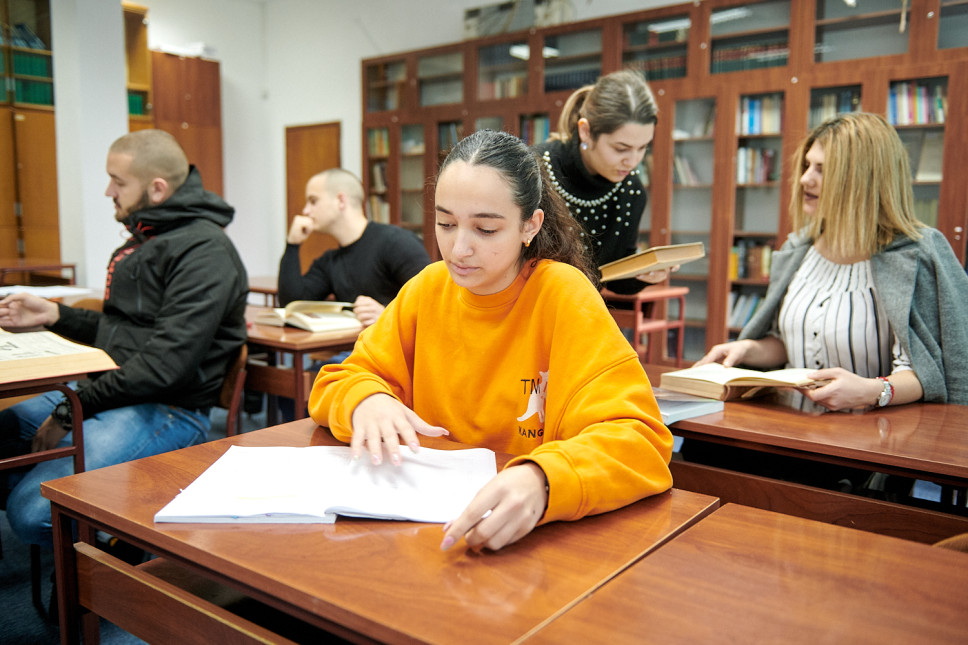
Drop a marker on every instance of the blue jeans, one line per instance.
(110, 437)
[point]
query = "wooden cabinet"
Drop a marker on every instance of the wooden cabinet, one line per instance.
(738, 85)
(29, 225)
(187, 102)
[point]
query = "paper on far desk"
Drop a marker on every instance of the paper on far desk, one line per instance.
(53, 291)
(314, 484)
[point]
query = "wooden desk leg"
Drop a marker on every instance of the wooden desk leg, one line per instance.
(65, 571)
(302, 396)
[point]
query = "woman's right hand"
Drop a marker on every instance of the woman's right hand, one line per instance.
(729, 354)
(381, 420)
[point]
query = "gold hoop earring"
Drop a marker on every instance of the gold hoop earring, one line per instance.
(527, 243)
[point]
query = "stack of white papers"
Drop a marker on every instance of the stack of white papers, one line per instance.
(315, 484)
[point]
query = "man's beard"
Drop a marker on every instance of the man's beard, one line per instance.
(142, 203)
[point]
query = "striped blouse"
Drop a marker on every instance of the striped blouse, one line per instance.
(831, 317)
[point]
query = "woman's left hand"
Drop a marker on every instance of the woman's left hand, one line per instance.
(654, 277)
(513, 502)
(845, 391)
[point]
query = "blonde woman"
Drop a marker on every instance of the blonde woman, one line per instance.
(862, 292)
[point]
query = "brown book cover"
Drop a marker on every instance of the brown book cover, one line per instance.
(653, 259)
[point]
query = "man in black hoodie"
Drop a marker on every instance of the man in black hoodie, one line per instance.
(173, 320)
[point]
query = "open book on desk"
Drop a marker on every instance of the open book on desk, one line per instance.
(312, 485)
(312, 315)
(654, 259)
(44, 354)
(715, 381)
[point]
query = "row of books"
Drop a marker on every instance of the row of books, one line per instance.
(683, 173)
(914, 103)
(749, 55)
(38, 93)
(30, 64)
(503, 88)
(378, 142)
(831, 103)
(535, 129)
(756, 165)
(760, 115)
(378, 177)
(659, 67)
(749, 260)
(379, 209)
(571, 80)
(742, 306)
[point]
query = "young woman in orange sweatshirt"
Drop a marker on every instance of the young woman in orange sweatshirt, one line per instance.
(505, 344)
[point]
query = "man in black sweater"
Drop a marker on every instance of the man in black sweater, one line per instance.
(372, 260)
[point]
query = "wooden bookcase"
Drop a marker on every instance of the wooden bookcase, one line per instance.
(738, 85)
(28, 168)
(137, 66)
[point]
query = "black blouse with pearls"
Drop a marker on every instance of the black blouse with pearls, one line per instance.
(609, 212)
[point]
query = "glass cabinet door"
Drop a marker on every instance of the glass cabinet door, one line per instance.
(751, 36)
(658, 48)
(690, 217)
(412, 148)
(384, 86)
(868, 28)
(572, 60)
(828, 102)
(441, 78)
(917, 109)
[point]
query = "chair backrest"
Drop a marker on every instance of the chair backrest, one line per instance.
(230, 397)
(94, 304)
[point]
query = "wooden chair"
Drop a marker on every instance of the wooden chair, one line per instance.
(233, 386)
(640, 313)
(76, 450)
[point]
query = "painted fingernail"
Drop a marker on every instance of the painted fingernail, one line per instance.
(447, 543)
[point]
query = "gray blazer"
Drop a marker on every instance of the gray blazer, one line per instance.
(924, 290)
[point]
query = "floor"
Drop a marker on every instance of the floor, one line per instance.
(20, 622)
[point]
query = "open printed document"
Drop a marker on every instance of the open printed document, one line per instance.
(44, 354)
(315, 484)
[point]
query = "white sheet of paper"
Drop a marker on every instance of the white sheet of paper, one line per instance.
(313, 484)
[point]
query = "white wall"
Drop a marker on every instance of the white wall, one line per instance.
(295, 62)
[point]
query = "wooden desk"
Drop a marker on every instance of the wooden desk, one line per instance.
(292, 382)
(647, 316)
(361, 579)
(926, 441)
(744, 575)
(13, 266)
(268, 286)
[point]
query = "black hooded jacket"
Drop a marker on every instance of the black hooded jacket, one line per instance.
(174, 307)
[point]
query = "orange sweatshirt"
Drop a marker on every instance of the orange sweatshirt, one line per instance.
(539, 370)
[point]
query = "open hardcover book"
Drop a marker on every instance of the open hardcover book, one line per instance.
(715, 381)
(313, 315)
(312, 485)
(44, 354)
(654, 259)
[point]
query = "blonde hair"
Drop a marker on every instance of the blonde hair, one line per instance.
(154, 153)
(867, 199)
(616, 99)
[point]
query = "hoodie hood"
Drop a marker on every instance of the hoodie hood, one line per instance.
(190, 202)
